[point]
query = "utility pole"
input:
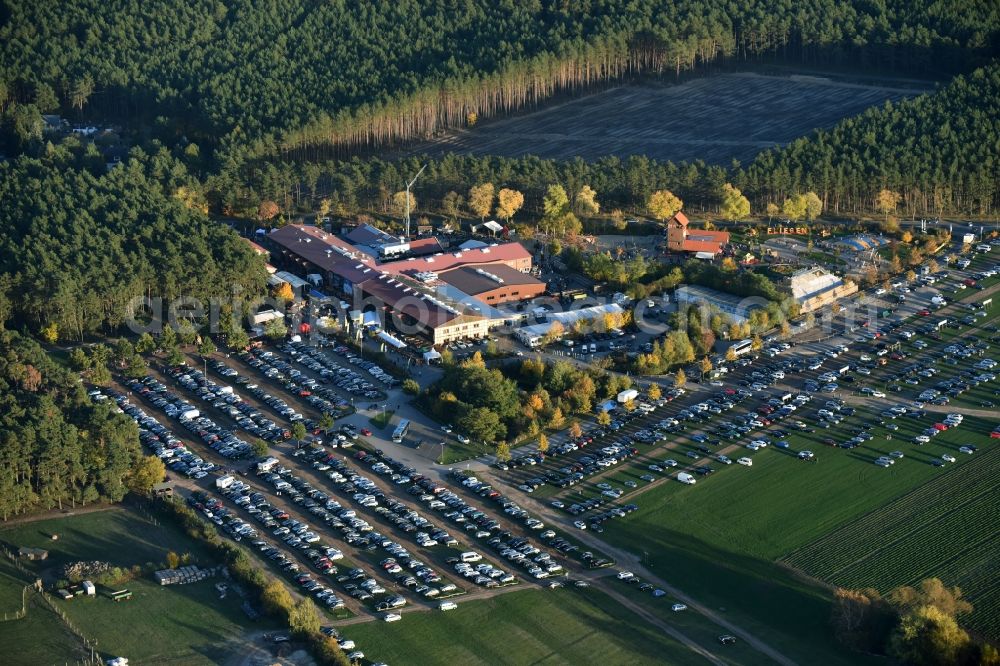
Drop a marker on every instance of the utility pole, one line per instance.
(408, 186)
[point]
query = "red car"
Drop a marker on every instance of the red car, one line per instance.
(366, 432)
(924, 312)
(940, 427)
(995, 434)
(969, 282)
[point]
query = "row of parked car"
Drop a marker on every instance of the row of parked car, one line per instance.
(157, 437)
(226, 400)
(294, 381)
(345, 377)
(222, 440)
(355, 530)
(372, 368)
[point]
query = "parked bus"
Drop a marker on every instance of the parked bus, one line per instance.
(742, 347)
(400, 432)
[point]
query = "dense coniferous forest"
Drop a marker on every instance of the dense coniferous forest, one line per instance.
(939, 151)
(263, 78)
(78, 243)
(56, 447)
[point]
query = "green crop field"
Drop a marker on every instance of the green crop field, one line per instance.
(719, 540)
(567, 626)
(182, 624)
(945, 528)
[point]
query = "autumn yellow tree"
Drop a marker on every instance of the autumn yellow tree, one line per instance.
(794, 208)
(705, 366)
(730, 354)
(503, 451)
(50, 333)
(145, 474)
(586, 202)
(284, 292)
(654, 392)
(543, 443)
(556, 331)
(603, 418)
(886, 202)
(399, 202)
(928, 635)
(481, 199)
(773, 210)
(508, 203)
(813, 206)
(735, 206)
(575, 430)
(267, 210)
(680, 379)
(663, 205)
(276, 600)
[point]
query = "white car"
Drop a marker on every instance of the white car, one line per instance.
(880, 292)
(748, 462)
(966, 449)
(678, 607)
(878, 394)
(805, 455)
(392, 617)
(625, 575)
(462, 438)
(947, 457)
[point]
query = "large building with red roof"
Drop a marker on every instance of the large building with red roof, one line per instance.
(680, 238)
(469, 281)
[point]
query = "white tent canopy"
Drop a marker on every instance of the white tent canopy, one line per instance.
(431, 355)
(395, 342)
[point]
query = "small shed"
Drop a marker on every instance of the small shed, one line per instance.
(88, 588)
(33, 554)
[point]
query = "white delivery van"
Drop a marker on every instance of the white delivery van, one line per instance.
(683, 477)
(447, 605)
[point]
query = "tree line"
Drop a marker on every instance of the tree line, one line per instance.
(928, 156)
(78, 243)
(57, 448)
(932, 155)
(917, 626)
(328, 77)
